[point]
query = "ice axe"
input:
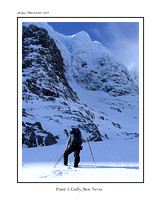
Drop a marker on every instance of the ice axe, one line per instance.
(90, 150)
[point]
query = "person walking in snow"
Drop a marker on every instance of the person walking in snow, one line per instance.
(74, 143)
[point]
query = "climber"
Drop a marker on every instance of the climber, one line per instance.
(73, 145)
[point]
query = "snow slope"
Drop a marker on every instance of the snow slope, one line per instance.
(112, 164)
(117, 158)
(110, 111)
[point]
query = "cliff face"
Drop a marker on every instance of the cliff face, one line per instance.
(95, 69)
(42, 64)
(55, 68)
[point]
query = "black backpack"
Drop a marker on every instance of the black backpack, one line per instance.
(76, 137)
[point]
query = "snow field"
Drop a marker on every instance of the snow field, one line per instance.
(112, 164)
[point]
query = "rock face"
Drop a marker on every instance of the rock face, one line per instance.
(43, 78)
(50, 104)
(42, 64)
(34, 135)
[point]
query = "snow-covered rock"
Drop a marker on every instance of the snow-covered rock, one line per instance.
(74, 81)
(94, 69)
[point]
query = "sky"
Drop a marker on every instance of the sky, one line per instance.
(121, 38)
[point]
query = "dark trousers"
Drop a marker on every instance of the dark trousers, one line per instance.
(76, 150)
